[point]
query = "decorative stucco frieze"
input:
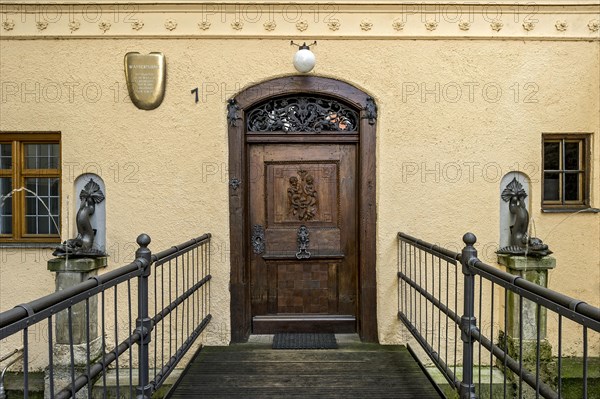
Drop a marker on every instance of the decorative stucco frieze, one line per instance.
(371, 20)
(137, 25)
(302, 25)
(366, 25)
(170, 24)
(496, 25)
(41, 25)
(334, 25)
(8, 25)
(204, 25)
(528, 26)
(398, 24)
(431, 25)
(74, 25)
(104, 26)
(561, 26)
(270, 26)
(237, 25)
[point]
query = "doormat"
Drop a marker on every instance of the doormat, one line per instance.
(304, 341)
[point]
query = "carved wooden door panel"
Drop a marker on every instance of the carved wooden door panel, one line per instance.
(303, 257)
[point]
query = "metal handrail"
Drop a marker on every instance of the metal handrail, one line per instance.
(569, 307)
(582, 313)
(24, 316)
(431, 248)
(37, 309)
(572, 308)
(175, 250)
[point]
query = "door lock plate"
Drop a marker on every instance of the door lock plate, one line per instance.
(258, 239)
(303, 240)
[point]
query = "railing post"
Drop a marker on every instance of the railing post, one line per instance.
(468, 322)
(143, 322)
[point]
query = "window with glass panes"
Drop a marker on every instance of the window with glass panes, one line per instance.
(29, 187)
(566, 171)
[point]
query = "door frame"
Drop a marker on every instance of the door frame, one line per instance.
(241, 318)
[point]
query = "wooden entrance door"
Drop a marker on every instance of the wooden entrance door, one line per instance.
(300, 114)
(304, 252)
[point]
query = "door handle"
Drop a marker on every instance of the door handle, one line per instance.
(258, 239)
(303, 240)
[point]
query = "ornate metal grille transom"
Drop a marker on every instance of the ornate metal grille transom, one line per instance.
(302, 114)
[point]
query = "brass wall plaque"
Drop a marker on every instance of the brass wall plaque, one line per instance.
(146, 78)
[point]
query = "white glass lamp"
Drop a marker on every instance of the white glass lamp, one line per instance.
(304, 59)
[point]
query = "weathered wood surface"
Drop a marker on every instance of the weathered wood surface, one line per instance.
(311, 185)
(256, 371)
(363, 299)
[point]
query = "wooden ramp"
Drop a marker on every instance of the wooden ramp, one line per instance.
(254, 370)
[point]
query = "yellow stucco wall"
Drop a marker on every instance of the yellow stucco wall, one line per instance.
(171, 162)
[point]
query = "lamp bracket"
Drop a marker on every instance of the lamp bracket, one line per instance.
(304, 45)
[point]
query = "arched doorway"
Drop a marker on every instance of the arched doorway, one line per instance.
(302, 208)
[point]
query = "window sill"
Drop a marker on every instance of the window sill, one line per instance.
(572, 210)
(36, 245)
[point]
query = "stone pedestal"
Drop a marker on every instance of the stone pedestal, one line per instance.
(70, 272)
(534, 270)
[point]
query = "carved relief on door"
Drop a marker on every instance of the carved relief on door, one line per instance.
(302, 192)
(302, 196)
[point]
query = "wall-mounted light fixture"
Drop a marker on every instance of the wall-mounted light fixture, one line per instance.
(304, 59)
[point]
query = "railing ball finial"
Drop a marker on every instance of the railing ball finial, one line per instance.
(143, 240)
(469, 239)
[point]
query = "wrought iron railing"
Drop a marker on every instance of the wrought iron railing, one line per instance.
(444, 297)
(173, 284)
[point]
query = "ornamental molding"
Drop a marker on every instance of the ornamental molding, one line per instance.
(270, 26)
(528, 26)
(104, 26)
(464, 25)
(8, 25)
(366, 25)
(398, 24)
(41, 25)
(137, 25)
(237, 24)
(496, 25)
(170, 24)
(302, 25)
(334, 25)
(431, 25)
(74, 25)
(204, 25)
(352, 19)
(561, 25)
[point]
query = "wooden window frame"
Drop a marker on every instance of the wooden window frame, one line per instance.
(561, 204)
(19, 173)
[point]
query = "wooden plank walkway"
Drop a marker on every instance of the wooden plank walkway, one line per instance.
(254, 370)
